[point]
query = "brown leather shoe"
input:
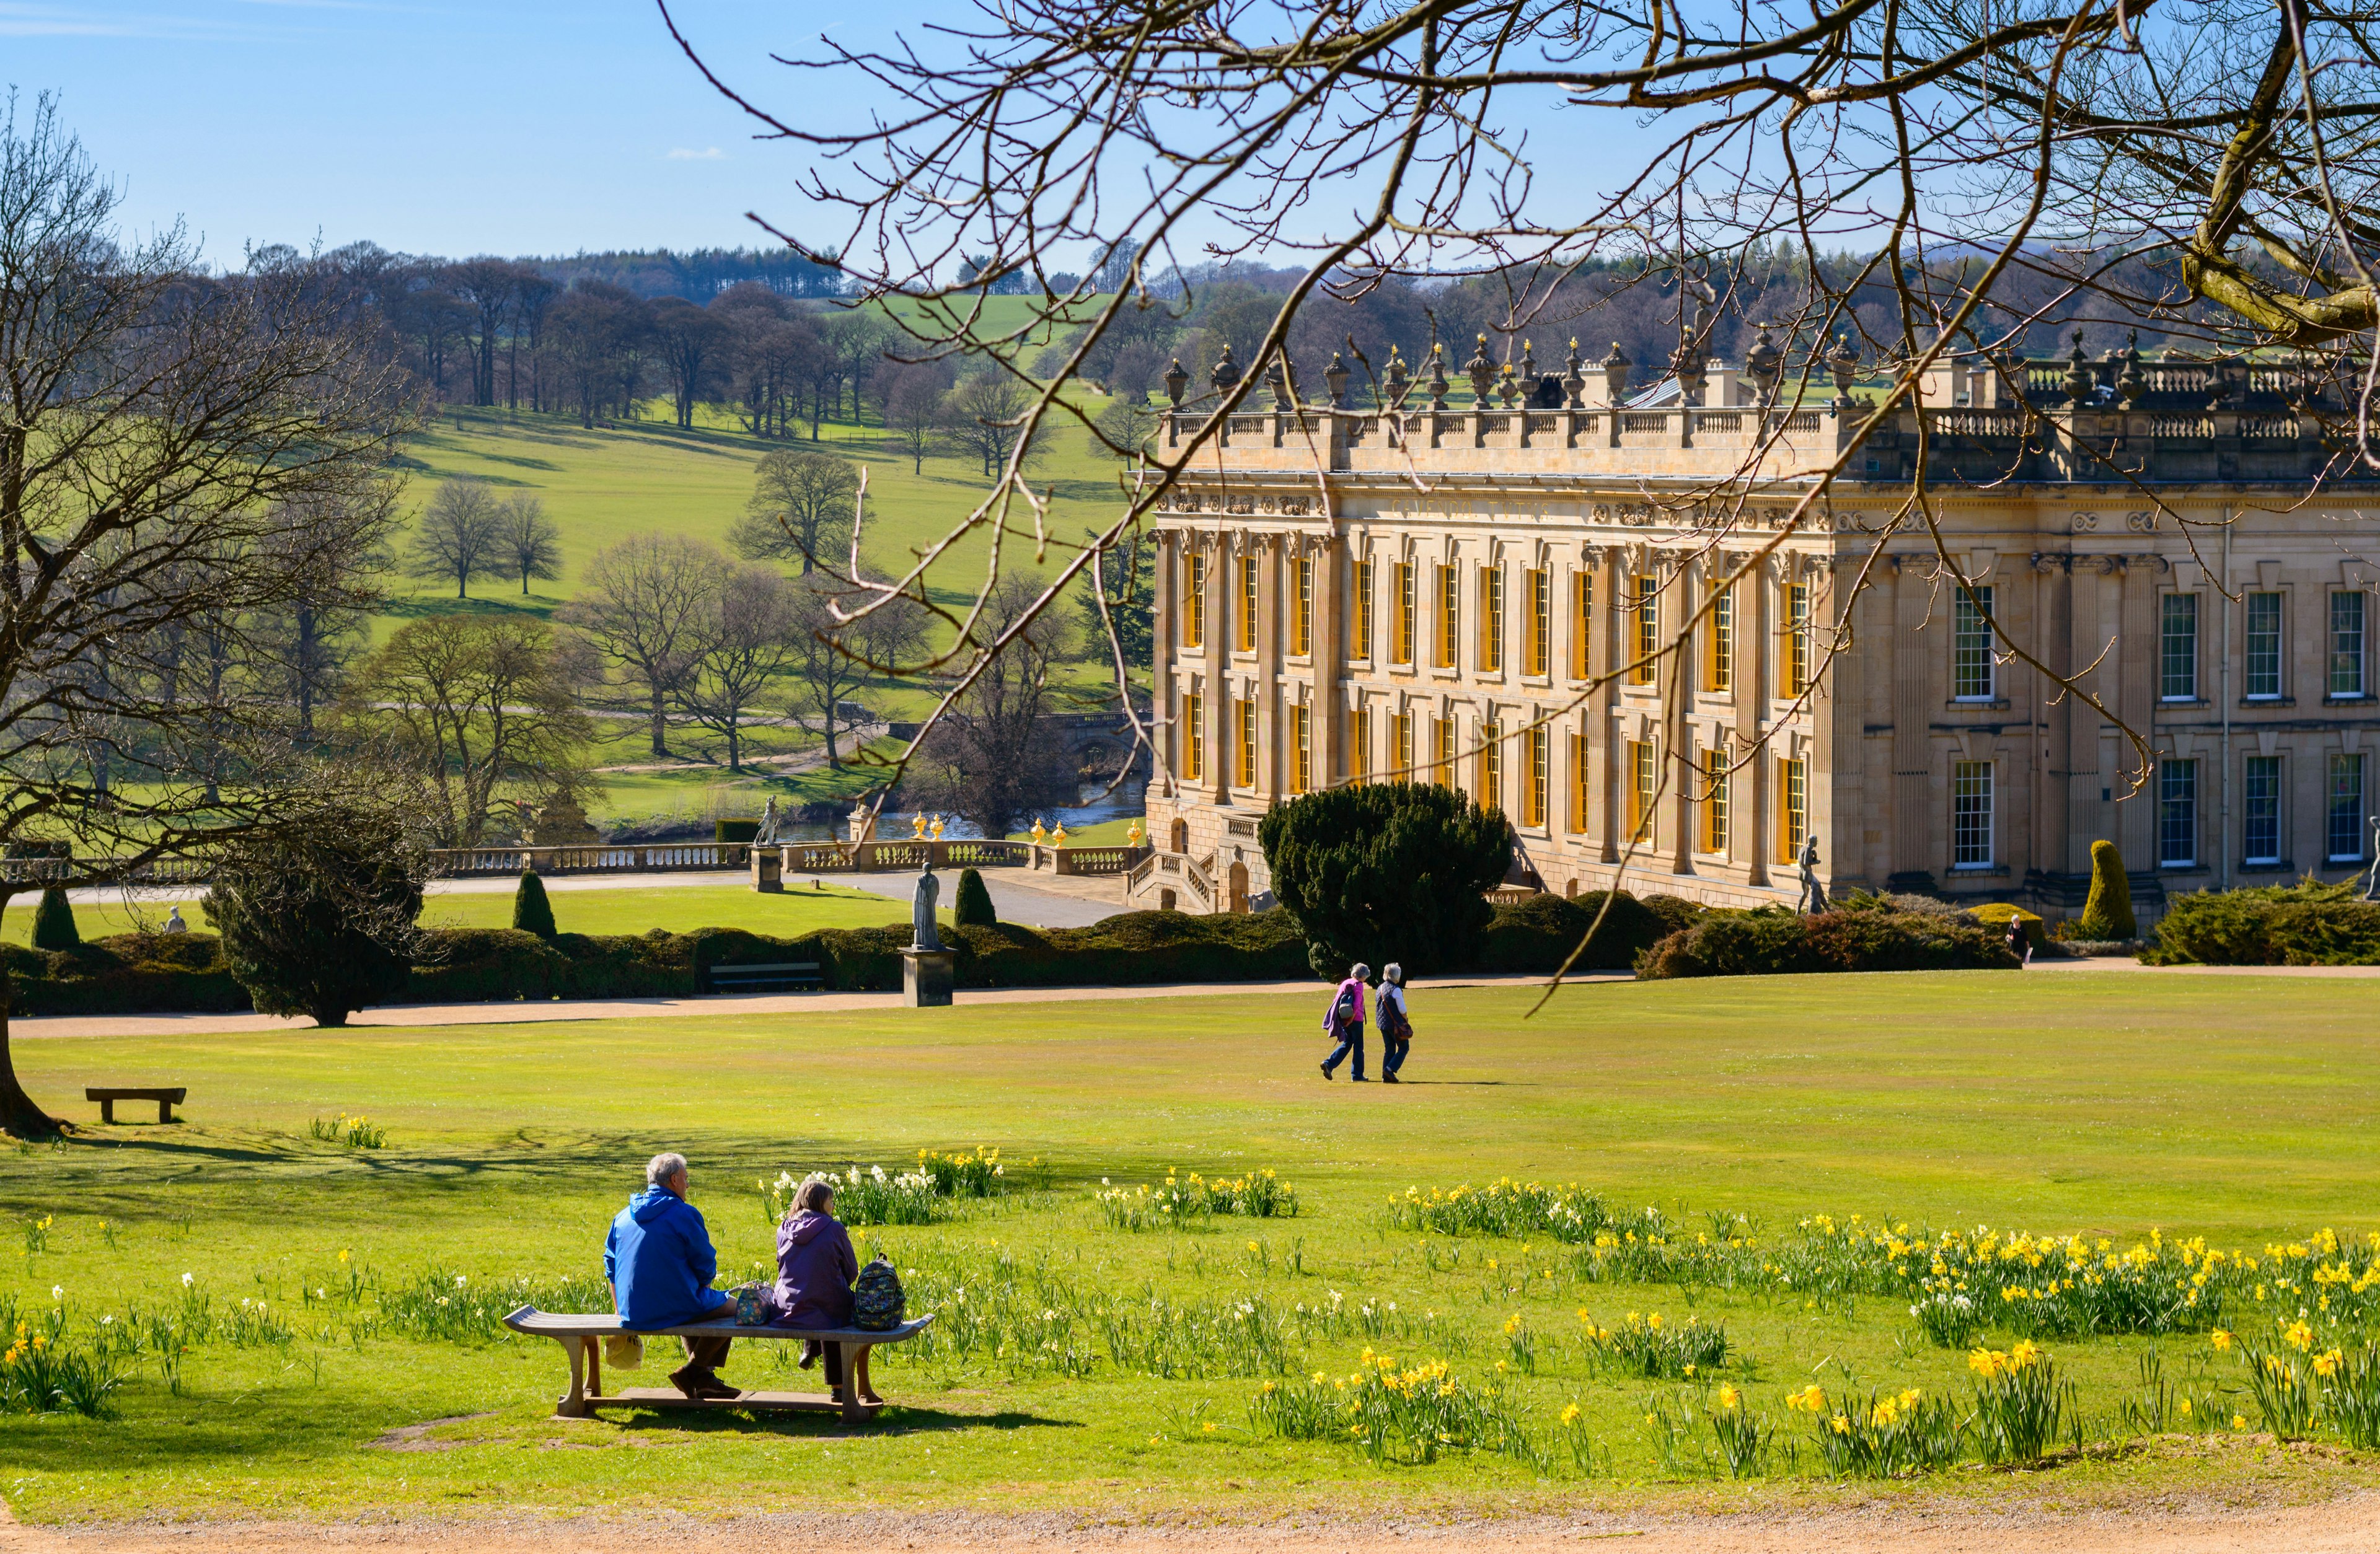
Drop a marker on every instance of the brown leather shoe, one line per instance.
(689, 1379)
(714, 1386)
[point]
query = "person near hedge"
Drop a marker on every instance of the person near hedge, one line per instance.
(2019, 943)
(660, 1263)
(1344, 1022)
(1396, 1028)
(815, 1270)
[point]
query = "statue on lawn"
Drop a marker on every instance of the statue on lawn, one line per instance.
(923, 932)
(766, 836)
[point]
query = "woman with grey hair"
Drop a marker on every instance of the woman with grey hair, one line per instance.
(1396, 1030)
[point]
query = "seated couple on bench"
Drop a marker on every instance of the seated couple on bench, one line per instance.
(660, 1262)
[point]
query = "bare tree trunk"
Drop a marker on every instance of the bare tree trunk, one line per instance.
(19, 1114)
(661, 726)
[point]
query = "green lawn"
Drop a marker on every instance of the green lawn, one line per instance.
(680, 909)
(2110, 1103)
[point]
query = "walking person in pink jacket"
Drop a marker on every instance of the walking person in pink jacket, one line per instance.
(1344, 1022)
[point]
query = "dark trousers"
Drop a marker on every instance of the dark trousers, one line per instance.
(1350, 1039)
(834, 1360)
(1393, 1056)
(706, 1354)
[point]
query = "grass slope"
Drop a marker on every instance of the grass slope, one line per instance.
(2106, 1103)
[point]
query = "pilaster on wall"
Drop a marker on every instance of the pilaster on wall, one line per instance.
(1328, 554)
(1270, 639)
(1914, 682)
(2135, 666)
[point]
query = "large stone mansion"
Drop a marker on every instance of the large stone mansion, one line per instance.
(1344, 594)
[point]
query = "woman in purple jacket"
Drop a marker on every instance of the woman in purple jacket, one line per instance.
(815, 1270)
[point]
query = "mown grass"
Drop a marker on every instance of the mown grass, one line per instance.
(2111, 1103)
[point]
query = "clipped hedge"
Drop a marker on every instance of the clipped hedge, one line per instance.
(124, 974)
(476, 966)
(1772, 941)
(2305, 924)
(1538, 935)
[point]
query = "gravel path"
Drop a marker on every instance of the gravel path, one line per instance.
(2160, 1527)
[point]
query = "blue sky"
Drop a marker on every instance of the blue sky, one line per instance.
(508, 126)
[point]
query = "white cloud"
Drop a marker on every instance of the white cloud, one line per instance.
(708, 153)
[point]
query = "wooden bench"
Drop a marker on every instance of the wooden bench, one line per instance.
(582, 1337)
(781, 977)
(166, 1096)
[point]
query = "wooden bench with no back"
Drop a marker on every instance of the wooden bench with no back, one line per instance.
(776, 976)
(166, 1096)
(582, 1336)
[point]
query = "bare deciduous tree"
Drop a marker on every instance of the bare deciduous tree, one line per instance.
(531, 541)
(640, 606)
(801, 508)
(461, 536)
(994, 755)
(480, 708)
(749, 635)
(841, 647)
(185, 458)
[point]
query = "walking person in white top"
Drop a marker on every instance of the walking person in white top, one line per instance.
(1396, 1030)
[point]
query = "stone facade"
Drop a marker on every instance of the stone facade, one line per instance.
(1345, 594)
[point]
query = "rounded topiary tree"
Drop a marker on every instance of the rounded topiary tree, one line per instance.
(532, 913)
(2108, 911)
(54, 922)
(971, 906)
(317, 919)
(1387, 871)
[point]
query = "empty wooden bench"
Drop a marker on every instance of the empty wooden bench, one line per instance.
(166, 1096)
(582, 1337)
(781, 977)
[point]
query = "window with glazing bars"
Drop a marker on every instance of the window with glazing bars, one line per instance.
(1405, 607)
(1491, 619)
(2346, 644)
(2262, 677)
(1537, 647)
(1970, 814)
(1301, 746)
(1491, 766)
(1400, 733)
(1360, 648)
(1194, 737)
(1247, 601)
(1246, 775)
(1718, 643)
(1797, 638)
(1533, 777)
(1643, 791)
(1194, 603)
(1441, 751)
(1971, 645)
(2260, 837)
(1646, 607)
(1578, 792)
(2178, 648)
(1450, 615)
(1359, 745)
(1793, 808)
(2346, 828)
(1301, 624)
(1716, 761)
(2177, 814)
(1581, 626)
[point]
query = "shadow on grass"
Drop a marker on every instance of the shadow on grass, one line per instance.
(895, 1419)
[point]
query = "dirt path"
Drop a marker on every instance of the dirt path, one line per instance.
(2159, 1527)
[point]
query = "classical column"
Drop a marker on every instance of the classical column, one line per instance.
(1271, 640)
(1919, 684)
(1329, 649)
(1164, 687)
(1220, 625)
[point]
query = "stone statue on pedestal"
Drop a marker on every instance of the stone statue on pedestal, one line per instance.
(925, 934)
(1813, 894)
(2372, 885)
(863, 822)
(766, 836)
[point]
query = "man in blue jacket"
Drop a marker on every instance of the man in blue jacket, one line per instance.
(660, 1262)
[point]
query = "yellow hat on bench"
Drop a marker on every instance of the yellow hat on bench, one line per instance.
(624, 1352)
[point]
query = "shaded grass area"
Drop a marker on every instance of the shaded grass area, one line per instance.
(2106, 1104)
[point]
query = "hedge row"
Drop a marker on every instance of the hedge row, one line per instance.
(2305, 924)
(1772, 940)
(123, 974)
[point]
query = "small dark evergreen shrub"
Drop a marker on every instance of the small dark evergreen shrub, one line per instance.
(971, 906)
(318, 920)
(54, 922)
(1387, 871)
(532, 913)
(1675, 913)
(735, 831)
